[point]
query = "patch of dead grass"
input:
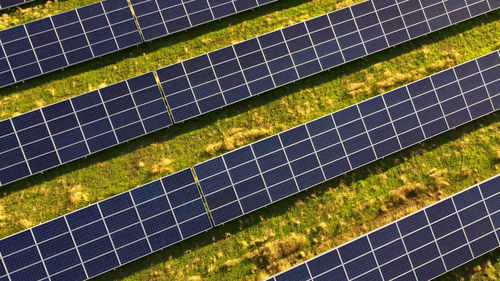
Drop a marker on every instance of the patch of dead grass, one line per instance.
(25, 223)
(162, 167)
(279, 254)
(77, 195)
(438, 177)
(235, 138)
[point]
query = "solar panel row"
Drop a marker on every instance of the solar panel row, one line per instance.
(74, 128)
(4, 4)
(269, 170)
(65, 39)
(421, 246)
(192, 88)
(123, 228)
(103, 236)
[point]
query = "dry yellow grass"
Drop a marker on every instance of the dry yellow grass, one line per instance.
(77, 195)
(162, 167)
(236, 137)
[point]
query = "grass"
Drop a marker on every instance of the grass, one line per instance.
(301, 226)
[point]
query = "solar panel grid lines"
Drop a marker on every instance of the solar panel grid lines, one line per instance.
(197, 89)
(55, 42)
(5, 4)
(284, 164)
(157, 19)
(74, 128)
(109, 233)
(492, 208)
(405, 248)
(3, 273)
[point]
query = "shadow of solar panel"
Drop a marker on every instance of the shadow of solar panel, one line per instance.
(74, 128)
(113, 232)
(269, 170)
(421, 246)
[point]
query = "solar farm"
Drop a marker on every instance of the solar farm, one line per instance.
(249, 140)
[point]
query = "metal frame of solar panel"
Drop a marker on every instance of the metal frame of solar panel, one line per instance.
(159, 18)
(5, 4)
(137, 222)
(190, 95)
(256, 175)
(420, 246)
(98, 238)
(66, 39)
(214, 80)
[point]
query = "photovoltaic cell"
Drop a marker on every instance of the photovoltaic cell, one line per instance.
(420, 246)
(106, 235)
(74, 128)
(237, 72)
(68, 38)
(103, 236)
(4, 4)
(269, 170)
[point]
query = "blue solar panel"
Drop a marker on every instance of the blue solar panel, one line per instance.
(237, 72)
(64, 39)
(103, 236)
(420, 246)
(4, 4)
(256, 175)
(68, 38)
(74, 128)
(160, 18)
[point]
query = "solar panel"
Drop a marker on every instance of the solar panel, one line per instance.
(4, 4)
(103, 236)
(160, 18)
(68, 38)
(269, 170)
(420, 246)
(115, 231)
(74, 128)
(208, 82)
(255, 66)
